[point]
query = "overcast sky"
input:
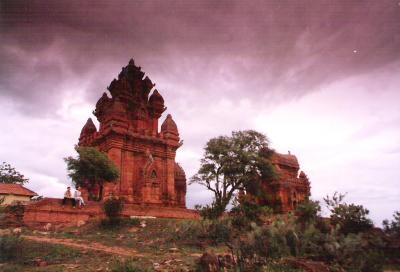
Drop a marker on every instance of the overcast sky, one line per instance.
(319, 78)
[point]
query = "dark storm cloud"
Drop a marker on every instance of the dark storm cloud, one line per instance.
(258, 50)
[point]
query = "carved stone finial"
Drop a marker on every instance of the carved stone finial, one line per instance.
(169, 125)
(156, 98)
(89, 128)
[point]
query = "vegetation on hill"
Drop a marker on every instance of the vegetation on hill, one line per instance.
(233, 168)
(245, 239)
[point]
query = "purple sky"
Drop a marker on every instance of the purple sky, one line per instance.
(319, 78)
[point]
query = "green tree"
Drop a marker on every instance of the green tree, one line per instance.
(393, 227)
(92, 168)
(8, 174)
(232, 164)
(308, 212)
(350, 217)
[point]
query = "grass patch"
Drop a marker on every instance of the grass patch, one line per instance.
(16, 250)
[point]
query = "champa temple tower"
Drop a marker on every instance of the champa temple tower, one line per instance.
(129, 134)
(292, 185)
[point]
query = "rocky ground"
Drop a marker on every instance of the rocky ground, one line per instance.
(147, 245)
(137, 245)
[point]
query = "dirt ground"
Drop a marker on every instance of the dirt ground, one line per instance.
(148, 245)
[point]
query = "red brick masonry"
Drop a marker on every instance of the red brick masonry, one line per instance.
(50, 210)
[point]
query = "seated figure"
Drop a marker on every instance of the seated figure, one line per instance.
(68, 197)
(78, 197)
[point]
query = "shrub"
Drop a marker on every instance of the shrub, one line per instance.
(190, 232)
(219, 231)
(212, 211)
(113, 208)
(393, 227)
(127, 266)
(246, 211)
(13, 268)
(263, 244)
(196, 232)
(17, 211)
(308, 211)
(133, 222)
(10, 248)
(351, 218)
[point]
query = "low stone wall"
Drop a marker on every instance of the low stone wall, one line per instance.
(161, 212)
(50, 210)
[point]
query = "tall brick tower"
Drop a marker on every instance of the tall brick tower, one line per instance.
(129, 134)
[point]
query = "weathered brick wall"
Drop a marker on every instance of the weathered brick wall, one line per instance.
(51, 211)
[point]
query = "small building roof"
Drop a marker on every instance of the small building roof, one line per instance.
(15, 189)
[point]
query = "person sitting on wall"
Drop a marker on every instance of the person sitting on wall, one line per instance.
(78, 197)
(68, 197)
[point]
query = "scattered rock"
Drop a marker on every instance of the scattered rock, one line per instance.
(168, 262)
(5, 232)
(196, 255)
(40, 262)
(142, 217)
(173, 249)
(120, 237)
(47, 227)
(143, 224)
(17, 231)
(133, 229)
(71, 266)
(80, 223)
(74, 232)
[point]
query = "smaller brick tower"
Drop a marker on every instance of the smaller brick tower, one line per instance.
(129, 134)
(290, 187)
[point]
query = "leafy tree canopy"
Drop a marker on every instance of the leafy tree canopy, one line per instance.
(234, 163)
(393, 227)
(91, 166)
(308, 211)
(351, 218)
(8, 174)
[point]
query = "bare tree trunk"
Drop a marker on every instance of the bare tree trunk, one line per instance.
(100, 192)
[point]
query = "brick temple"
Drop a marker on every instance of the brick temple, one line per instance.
(151, 181)
(290, 188)
(129, 134)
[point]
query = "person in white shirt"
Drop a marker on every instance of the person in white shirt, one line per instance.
(78, 197)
